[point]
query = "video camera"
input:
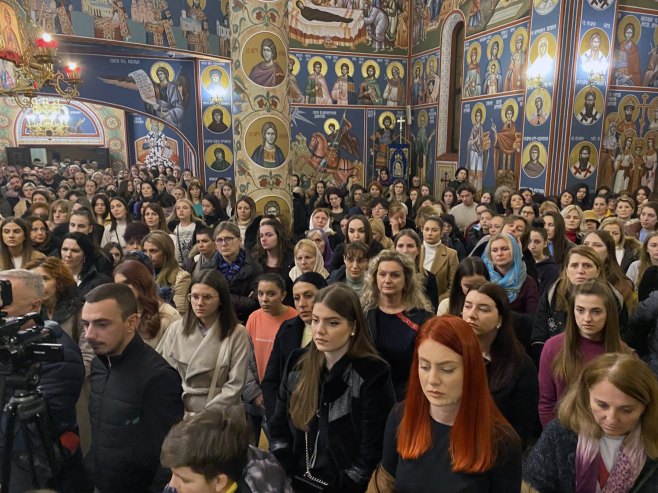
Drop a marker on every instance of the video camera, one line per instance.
(22, 349)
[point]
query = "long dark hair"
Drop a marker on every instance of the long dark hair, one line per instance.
(129, 216)
(26, 254)
(282, 245)
(140, 278)
(87, 247)
(228, 320)
(344, 301)
(561, 244)
(506, 350)
(469, 266)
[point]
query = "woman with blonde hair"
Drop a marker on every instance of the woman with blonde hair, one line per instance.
(183, 224)
(606, 435)
(171, 279)
(592, 329)
(395, 305)
(328, 424)
(307, 259)
(572, 215)
(648, 258)
(379, 233)
(627, 249)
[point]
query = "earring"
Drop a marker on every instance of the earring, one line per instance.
(352, 334)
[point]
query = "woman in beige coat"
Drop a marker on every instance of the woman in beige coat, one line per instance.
(208, 347)
(436, 258)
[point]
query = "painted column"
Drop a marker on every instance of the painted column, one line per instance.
(261, 119)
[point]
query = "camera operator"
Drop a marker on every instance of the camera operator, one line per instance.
(60, 384)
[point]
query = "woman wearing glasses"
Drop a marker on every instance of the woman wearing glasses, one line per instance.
(238, 267)
(208, 347)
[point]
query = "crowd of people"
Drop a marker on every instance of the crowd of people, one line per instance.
(381, 340)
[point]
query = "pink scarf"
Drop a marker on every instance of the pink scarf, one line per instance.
(627, 468)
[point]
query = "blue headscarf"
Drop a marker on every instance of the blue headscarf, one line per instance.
(513, 280)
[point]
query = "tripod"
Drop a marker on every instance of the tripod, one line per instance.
(28, 408)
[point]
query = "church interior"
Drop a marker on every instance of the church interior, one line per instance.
(541, 94)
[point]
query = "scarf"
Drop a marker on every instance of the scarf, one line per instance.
(230, 269)
(513, 280)
(430, 253)
(318, 267)
(355, 285)
(627, 468)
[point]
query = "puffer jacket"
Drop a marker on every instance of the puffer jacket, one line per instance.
(135, 400)
(244, 284)
(642, 334)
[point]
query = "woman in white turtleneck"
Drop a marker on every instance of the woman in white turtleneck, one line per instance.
(438, 259)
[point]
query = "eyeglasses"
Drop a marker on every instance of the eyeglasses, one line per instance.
(196, 298)
(227, 240)
(527, 213)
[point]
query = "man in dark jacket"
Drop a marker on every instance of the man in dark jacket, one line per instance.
(60, 384)
(135, 396)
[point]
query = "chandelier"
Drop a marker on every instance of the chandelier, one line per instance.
(47, 117)
(27, 60)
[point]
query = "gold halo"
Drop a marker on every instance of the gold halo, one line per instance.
(605, 41)
(423, 114)
(295, 64)
(625, 21)
(226, 116)
(501, 46)
(654, 102)
(149, 123)
(209, 155)
(339, 63)
(381, 119)
(611, 117)
(636, 102)
(432, 58)
(323, 63)
(327, 122)
(580, 100)
(478, 49)
(525, 156)
(223, 75)
(417, 64)
(522, 31)
(651, 134)
(202, 3)
(640, 142)
(593, 157)
(552, 46)
(365, 66)
(156, 66)
(479, 106)
(389, 69)
(530, 106)
(515, 109)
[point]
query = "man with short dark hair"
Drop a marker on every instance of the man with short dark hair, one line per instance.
(465, 213)
(210, 453)
(135, 395)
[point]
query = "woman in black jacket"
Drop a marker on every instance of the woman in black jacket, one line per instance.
(239, 268)
(291, 335)
(328, 425)
(511, 374)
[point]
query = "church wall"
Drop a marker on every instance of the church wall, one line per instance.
(179, 24)
(113, 132)
(377, 38)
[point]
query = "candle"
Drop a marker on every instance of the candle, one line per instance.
(72, 71)
(46, 41)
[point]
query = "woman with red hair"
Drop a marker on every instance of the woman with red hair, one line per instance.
(448, 432)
